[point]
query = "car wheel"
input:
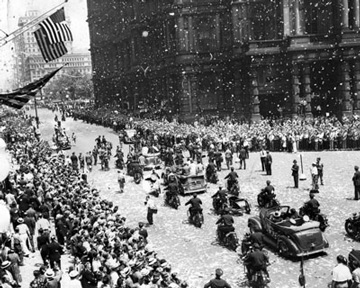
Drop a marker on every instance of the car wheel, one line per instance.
(283, 248)
(260, 201)
(351, 228)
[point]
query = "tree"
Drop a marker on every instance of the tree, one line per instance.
(72, 85)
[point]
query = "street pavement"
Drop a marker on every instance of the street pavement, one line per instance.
(191, 251)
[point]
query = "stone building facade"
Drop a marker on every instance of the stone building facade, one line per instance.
(242, 58)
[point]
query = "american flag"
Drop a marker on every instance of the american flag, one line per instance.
(56, 28)
(20, 97)
(49, 51)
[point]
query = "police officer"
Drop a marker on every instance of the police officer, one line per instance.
(256, 261)
(295, 174)
(225, 224)
(217, 282)
(195, 203)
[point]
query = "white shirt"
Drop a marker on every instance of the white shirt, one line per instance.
(341, 273)
(314, 170)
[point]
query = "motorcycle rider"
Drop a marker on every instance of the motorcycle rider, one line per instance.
(268, 191)
(256, 261)
(225, 224)
(195, 207)
(313, 204)
(172, 188)
(210, 170)
(232, 176)
(217, 282)
(219, 198)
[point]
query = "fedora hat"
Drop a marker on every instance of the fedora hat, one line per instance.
(73, 274)
(5, 264)
(49, 273)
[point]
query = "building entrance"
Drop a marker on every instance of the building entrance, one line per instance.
(272, 105)
(324, 81)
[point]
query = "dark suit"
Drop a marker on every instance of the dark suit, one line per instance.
(295, 174)
(268, 163)
(356, 181)
(54, 251)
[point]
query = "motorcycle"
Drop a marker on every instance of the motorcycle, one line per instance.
(256, 279)
(315, 216)
(230, 240)
(119, 163)
(352, 226)
(211, 176)
(219, 204)
(267, 201)
(197, 219)
(172, 200)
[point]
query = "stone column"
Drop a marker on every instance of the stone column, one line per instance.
(357, 88)
(254, 94)
(357, 12)
(286, 15)
(295, 91)
(344, 8)
(298, 19)
(345, 88)
(307, 87)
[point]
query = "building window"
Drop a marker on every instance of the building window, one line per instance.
(206, 36)
(265, 18)
(318, 16)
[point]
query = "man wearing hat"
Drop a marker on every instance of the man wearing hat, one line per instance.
(75, 282)
(38, 281)
(256, 261)
(295, 174)
(356, 181)
(217, 282)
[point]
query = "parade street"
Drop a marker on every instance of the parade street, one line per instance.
(190, 250)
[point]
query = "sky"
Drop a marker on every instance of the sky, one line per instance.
(11, 10)
(75, 10)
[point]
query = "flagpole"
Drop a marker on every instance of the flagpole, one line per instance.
(28, 26)
(36, 111)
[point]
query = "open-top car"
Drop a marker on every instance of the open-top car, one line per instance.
(290, 237)
(152, 161)
(193, 184)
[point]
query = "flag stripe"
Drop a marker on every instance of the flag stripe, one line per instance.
(49, 51)
(21, 96)
(56, 27)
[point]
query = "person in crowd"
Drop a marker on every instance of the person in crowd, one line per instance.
(268, 163)
(295, 173)
(151, 209)
(356, 182)
(121, 181)
(217, 281)
(314, 176)
(243, 155)
(341, 275)
(320, 168)
(263, 158)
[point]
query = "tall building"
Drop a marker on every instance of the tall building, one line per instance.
(218, 57)
(30, 64)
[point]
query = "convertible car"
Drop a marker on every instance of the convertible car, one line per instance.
(152, 161)
(291, 238)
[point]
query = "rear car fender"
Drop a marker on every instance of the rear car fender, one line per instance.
(293, 249)
(254, 224)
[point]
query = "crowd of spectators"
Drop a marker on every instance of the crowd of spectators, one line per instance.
(54, 210)
(291, 135)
